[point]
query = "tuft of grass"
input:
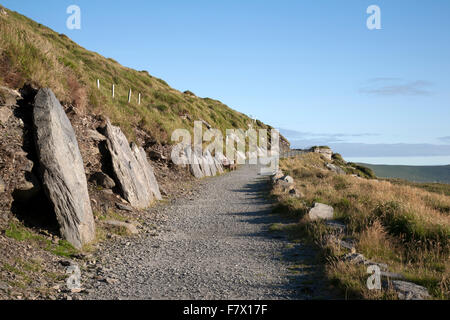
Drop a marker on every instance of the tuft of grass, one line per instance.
(19, 232)
(62, 249)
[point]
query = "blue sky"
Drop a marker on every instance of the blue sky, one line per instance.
(311, 68)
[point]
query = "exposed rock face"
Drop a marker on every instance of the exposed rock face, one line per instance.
(62, 169)
(103, 180)
(128, 227)
(27, 188)
(321, 211)
(123, 207)
(409, 291)
(285, 186)
(194, 163)
(211, 163)
(326, 152)
(95, 135)
(335, 169)
(218, 165)
(205, 167)
(148, 172)
(129, 168)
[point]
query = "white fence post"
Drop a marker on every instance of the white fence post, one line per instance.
(98, 83)
(139, 98)
(129, 96)
(113, 91)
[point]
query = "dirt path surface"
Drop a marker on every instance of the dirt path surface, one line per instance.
(215, 245)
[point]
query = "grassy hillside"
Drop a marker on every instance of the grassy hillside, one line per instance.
(413, 173)
(401, 225)
(33, 53)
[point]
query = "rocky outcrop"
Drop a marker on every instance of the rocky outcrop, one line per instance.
(321, 211)
(324, 151)
(62, 169)
(211, 163)
(194, 163)
(148, 171)
(218, 165)
(409, 291)
(103, 180)
(133, 172)
(121, 226)
(335, 168)
(204, 165)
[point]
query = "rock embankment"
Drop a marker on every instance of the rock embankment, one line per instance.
(47, 157)
(62, 170)
(202, 165)
(134, 176)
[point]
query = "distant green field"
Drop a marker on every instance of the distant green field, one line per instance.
(439, 174)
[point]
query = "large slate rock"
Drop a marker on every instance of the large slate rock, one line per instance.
(148, 172)
(121, 226)
(218, 165)
(410, 291)
(206, 169)
(211, 163)
(103, 180)
(61, 165)
(129, 171)
(326, 152)
(194, 163)
(321, 211)
(335, 168)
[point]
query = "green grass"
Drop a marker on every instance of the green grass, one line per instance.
(19, 232)
(33, 53)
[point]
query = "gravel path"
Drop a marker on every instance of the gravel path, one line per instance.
(216, 245)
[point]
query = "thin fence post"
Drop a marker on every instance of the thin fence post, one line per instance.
(113, 91)
(129, 96)
(98, 83)
(139, 98)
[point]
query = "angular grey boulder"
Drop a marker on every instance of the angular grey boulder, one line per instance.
(128, 227)
(335, 168)
(194, 163)
(129, 171)
(321, 211)
(103, 180)
(409, 291)
(147, 171)
(204, 165)
(218, 165)
(62, 170)
(211, 164)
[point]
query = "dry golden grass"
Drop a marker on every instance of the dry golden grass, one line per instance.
(406, 227)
